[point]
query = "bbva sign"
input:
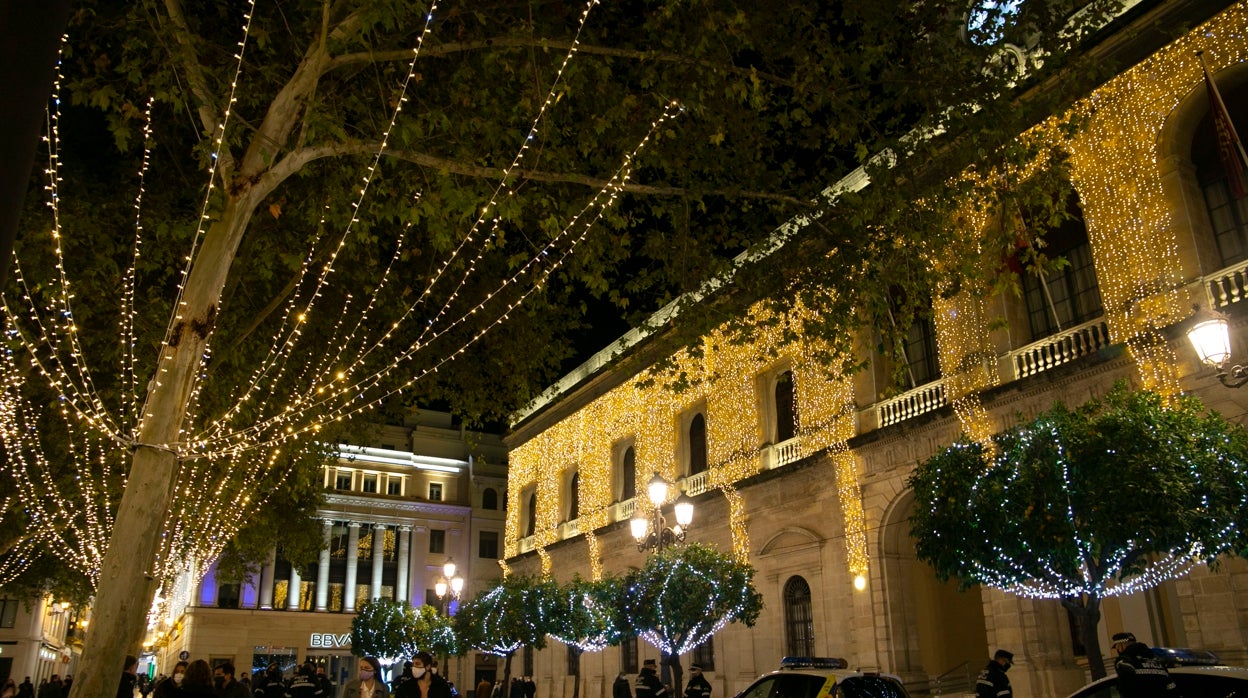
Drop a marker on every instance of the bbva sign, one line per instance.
(330, 640)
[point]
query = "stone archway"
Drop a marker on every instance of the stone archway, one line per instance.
(931, 626)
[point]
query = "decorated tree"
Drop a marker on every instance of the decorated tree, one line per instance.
(683, 596)
(512, 614)
(386, 629)
(434, 632)
(1107, 499)
(583, 617)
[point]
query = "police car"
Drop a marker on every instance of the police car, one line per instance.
(823, 677)
(1197, 674)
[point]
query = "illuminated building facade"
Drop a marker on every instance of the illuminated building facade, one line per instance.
(394, 513)
(805, 474)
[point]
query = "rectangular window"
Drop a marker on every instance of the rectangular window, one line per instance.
(488, 547)
(435, 491)
(704, 654)
(628, 655)
(394, 485)
(343, 481)
(369, 484)
(8, 612)
(437, 540)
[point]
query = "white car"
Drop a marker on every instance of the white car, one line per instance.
(823, 677)
(1197, 675)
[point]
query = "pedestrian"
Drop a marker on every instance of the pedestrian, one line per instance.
(485, 686)
(403, 677)
(530, 688)
(305, 684)
(269, 684)
(26, 689)
(197, 683)
(9, 690)
(69, 682)
(1140, 673)
(327, 686)
(368, 684)
(129, 677)
(170, 686)
(621, 688)
(51, 689)
(424, 683)
(224, 683)
(648, 684)
(992, 682)
(698, 686)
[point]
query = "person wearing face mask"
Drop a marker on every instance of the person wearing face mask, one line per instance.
(269, 684)
(171, 686)
(424, 683)
(198, 680)
(992, 682)
(224, 685)
(368, 684)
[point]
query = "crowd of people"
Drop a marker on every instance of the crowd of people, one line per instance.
(418, 679)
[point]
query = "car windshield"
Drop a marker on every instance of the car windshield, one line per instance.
(869, 687)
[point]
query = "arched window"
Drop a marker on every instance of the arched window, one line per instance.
(628, 474)
(786, 407)
(1228, 210)
(489, 499)
(799, 624)
(530, 511)
(574, 497)
(697, 444)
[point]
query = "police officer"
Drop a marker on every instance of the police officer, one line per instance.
(1140, 673)
(698, 686)
(992, 682)
(648, 684)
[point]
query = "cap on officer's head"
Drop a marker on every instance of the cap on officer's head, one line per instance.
(1004, 654)
(649, 663)
(695, 667)
(1123, 637)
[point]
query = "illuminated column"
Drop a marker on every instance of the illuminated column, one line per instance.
(353, 560)
(379, 558)
(322, 567)
(292, 590)
(401, 591)
(266, 580)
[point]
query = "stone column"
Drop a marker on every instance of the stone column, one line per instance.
(401, 591)
(266, 580)
(420, 554)
(379, 557)
(322, 567)
(292, 591)
(353, 560)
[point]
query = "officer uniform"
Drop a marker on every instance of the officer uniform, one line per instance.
(1140, 673)
(698, 686)
(648, 684)
(992, 682)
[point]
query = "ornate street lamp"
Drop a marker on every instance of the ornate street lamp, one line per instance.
(1210, 334)
(652, 532)
(448, 586)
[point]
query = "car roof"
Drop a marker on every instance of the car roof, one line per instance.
(1216, 670)
(823, 667)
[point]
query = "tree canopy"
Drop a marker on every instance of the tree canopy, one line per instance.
(385, 629)
(512, 614)
(683, 596)
(1109, 498)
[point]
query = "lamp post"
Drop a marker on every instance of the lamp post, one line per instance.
(1209, 331)
(652, 532)
(448, 588)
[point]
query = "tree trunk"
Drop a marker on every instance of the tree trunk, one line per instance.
(126, 582)
(673, 661)
(1088, 610)
(506, 692)
(576, 675)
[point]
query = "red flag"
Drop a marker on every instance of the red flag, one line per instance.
(1230, 148)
